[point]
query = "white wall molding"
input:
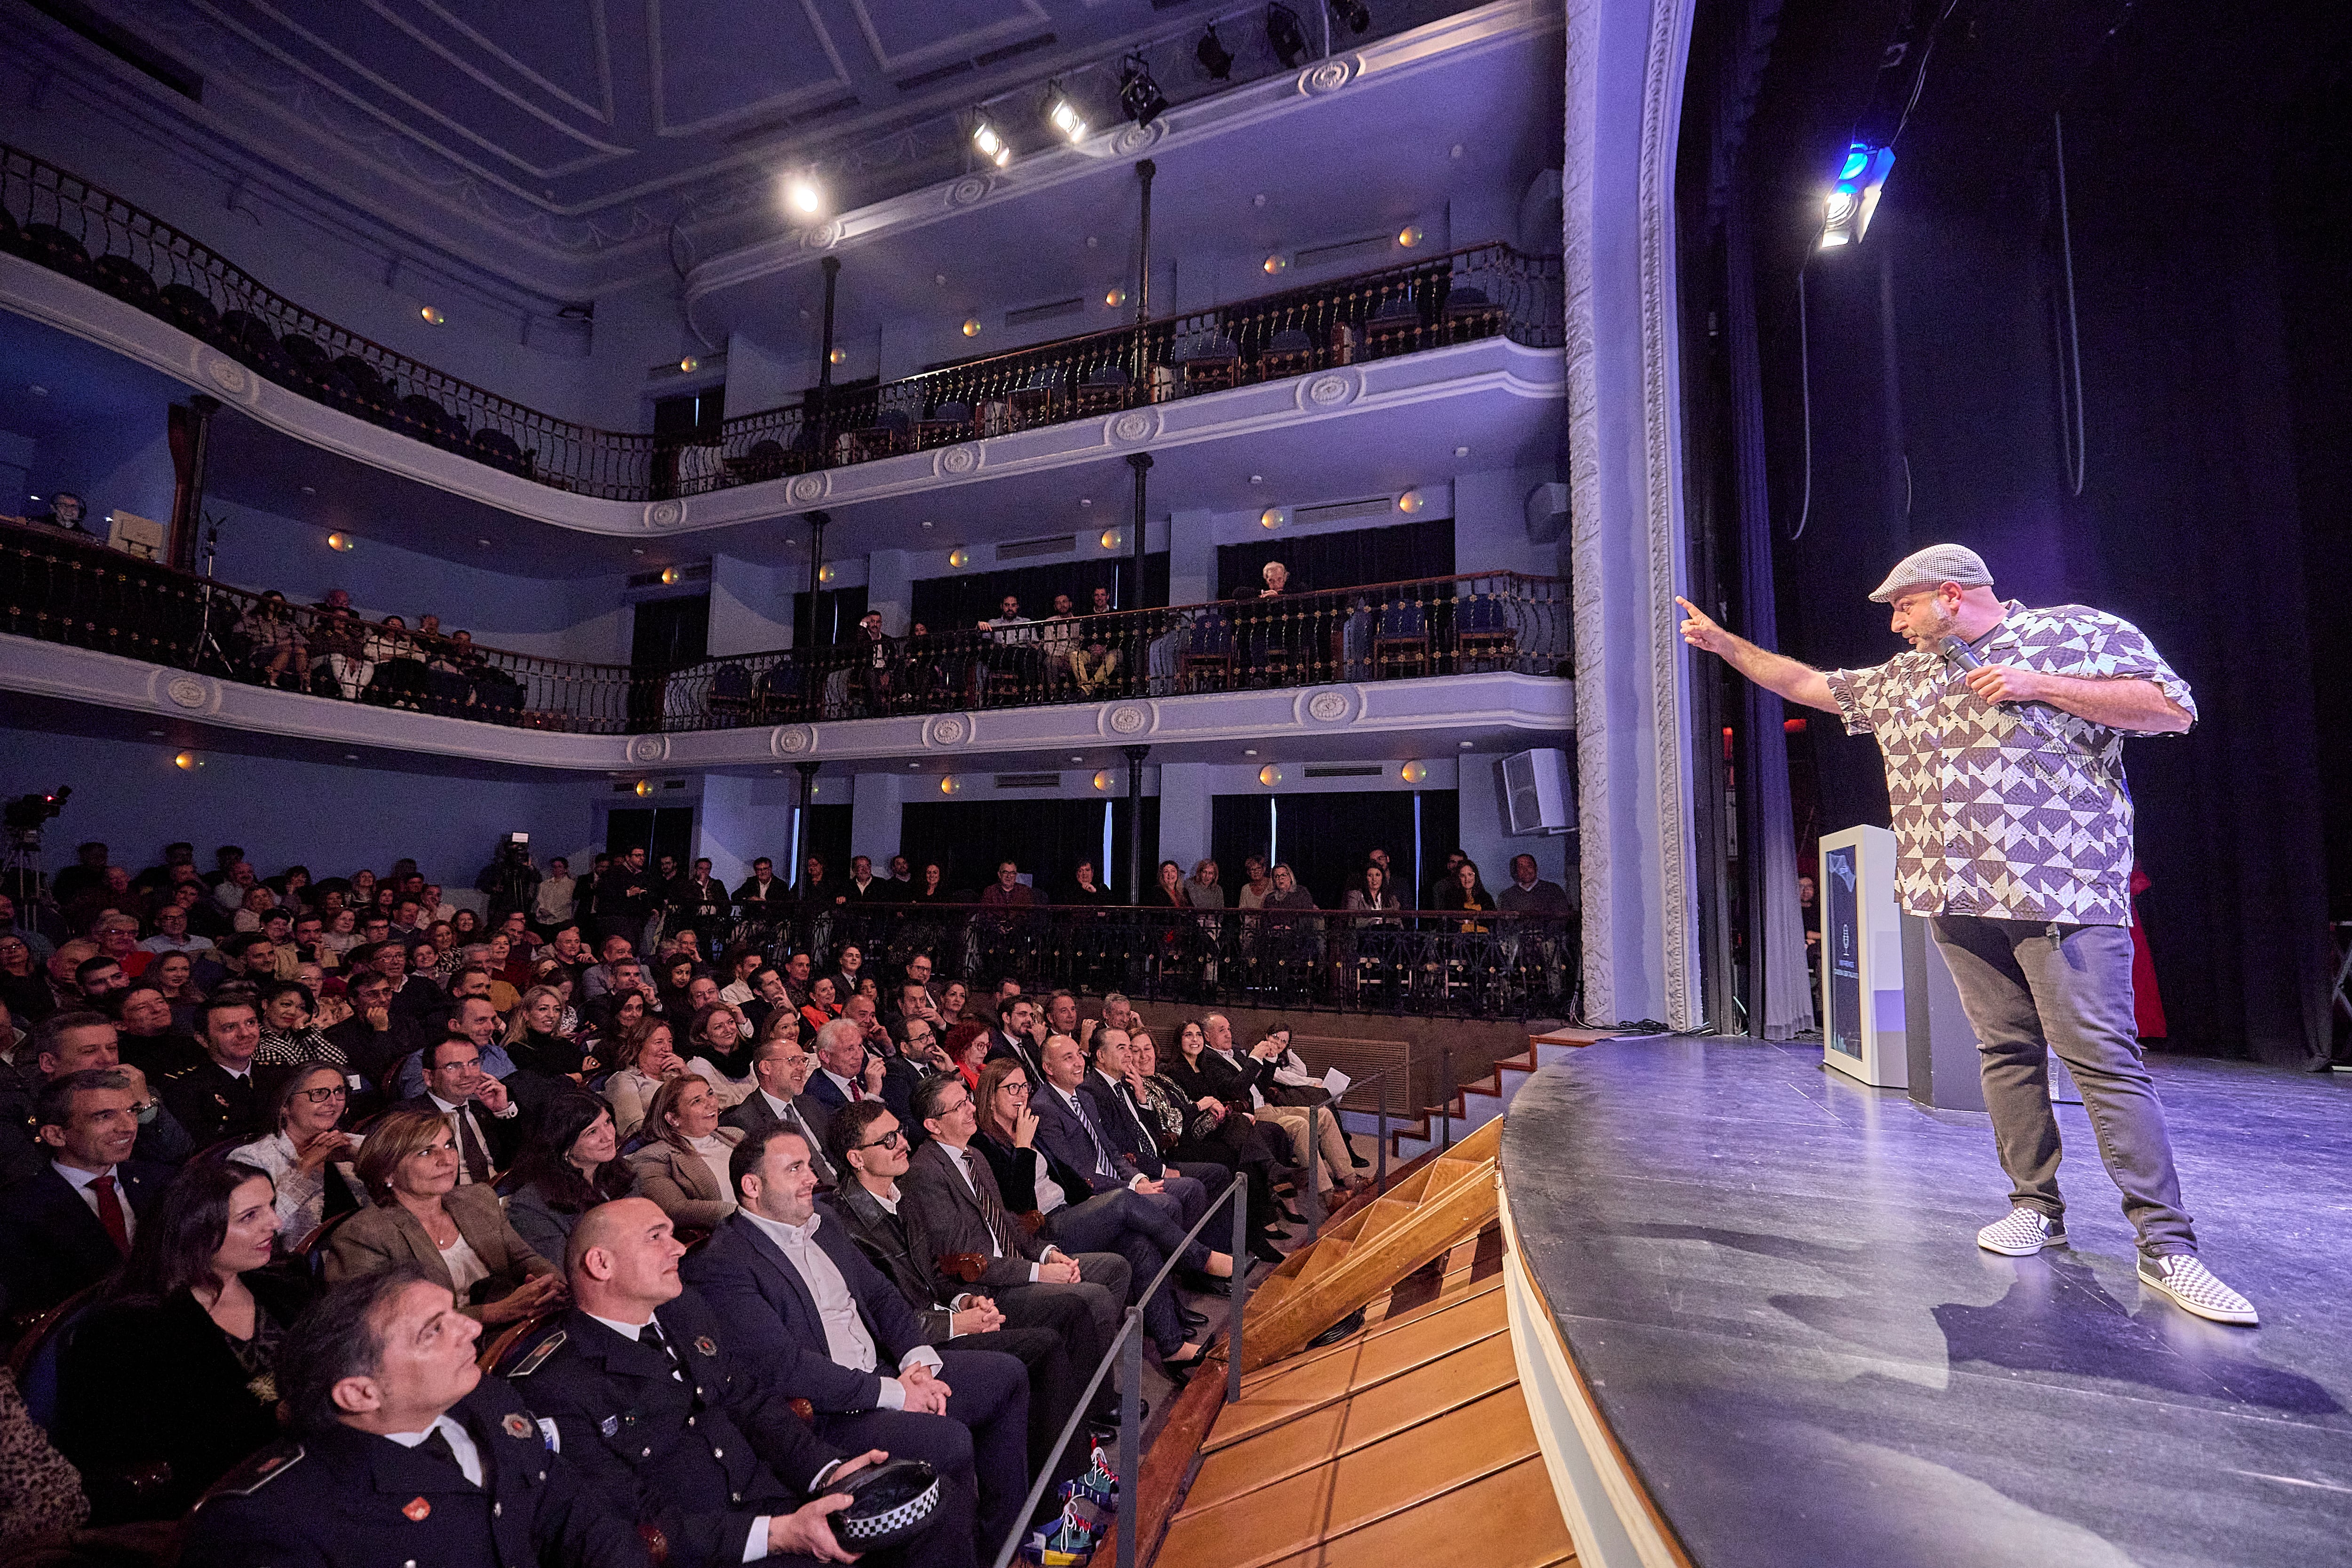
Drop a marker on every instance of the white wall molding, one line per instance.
(1491, 367)
(1297, 723)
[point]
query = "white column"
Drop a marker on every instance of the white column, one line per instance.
(874, 817)
(1184, 790)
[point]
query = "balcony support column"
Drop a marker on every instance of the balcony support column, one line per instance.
(190, 441)
(1135, 755)
(801, 816)
(1137, 526)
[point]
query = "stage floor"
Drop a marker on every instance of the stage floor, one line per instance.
(1768, 1275)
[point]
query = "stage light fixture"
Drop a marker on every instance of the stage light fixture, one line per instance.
(971, 326)
(838, 355)
(826, 573)
(1274, 517)
(990, 141)
(339, 541)
(688, 364)
(1275, 264)
(1063, 114)
(1409, 235)
(1112, 539)
(1214, 58)
(950, 783)
(1413, 773)
(1847, 210)
(187, 762)
(431, 315)
(1115, 297)
(958, 558)
(1410, 502)
(1285, 35)
(1138, 93)
(806, 196)
(671, 574)
(1353, 13)
(645, 788)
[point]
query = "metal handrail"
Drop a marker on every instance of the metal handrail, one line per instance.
(1127, 1346)
(53, 217)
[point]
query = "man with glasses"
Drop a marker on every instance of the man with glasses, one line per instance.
(487, 1124)
(782, 1103)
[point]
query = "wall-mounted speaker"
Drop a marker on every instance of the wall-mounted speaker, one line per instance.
(1541, 797)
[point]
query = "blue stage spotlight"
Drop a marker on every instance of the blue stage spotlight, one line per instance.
(1847, 211)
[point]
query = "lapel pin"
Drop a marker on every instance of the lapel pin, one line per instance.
(418, 1511)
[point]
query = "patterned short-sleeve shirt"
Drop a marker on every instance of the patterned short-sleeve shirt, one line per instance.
(1991, 819)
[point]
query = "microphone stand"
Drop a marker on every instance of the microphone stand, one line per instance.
(206, 638)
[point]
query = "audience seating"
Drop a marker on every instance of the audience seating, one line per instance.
(32, 1359)
(54, 248)
(1402, 638)
(126, 281)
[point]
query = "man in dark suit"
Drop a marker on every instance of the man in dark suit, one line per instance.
(482, 1117)
(374, 1040)
(782, 1070)
(404, 1452)
(952, 1195)
(800, 1297)
(76, 1042)
(869, 1147)
(652, 1408)
(899, 1075)
(1122, 1122)
(216, 1098)
(845, 1073)
(72, 1221)
(1017, 1036)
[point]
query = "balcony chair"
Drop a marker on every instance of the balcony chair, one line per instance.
(945, 424)
(732, 699)
(429, 421)
(368, 391)
(1484, 636)
(1107, 390)
(189, 310)
(765, 460)
(248, 338)
(126, 281)
(1289, 352)
(493, 446)
(1205, 646)
(1036, 401)
(1207, 365)
(54, 248)
(1394, 329)
(1402, 642)
(310, 363)
(1470, 315)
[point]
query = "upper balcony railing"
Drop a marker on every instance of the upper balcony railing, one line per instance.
(63, 222)
(71, 588)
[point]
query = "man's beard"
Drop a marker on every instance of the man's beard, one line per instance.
(1944, 623)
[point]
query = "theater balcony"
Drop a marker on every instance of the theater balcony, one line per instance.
(1478, 327)
(1481, 657)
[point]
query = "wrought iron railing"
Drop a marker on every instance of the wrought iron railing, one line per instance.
(1488, 963)
(66, 587)
(62, 221)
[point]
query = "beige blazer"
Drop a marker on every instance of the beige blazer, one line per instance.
(386, 1235)
(682, 1182)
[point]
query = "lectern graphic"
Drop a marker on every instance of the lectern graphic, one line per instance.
(1863, 1033)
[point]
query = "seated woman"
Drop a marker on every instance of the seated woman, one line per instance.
(822, 1008)
(573, 1164)
(533, 1040)
(720, 1053)
(612, 1018)
(398, 678)
(175, 974)
(458, 1235)
(674, 978)
(167, 1384)
(684, 1169)
(310, 1157)
(646, 1060)
(288, 1038)
(1200, 1073)
(1286, 1082)
(272, 644)
(1200, 1129)
(967, 1046)
(1123, 1221)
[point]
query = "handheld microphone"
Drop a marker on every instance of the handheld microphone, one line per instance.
(1962, 657)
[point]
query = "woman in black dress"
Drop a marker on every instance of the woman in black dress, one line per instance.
(169, 1382)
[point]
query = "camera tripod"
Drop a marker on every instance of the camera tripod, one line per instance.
(207, 639)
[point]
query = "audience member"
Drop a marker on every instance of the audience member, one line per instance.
(73, 1222)
(645, 1062)
(682, 1167)
(76, 1042)
(310, 1157)
(216, 1098)
(457, 1236)
(782, 1069)
(484, 1123)
(571, 1165)
(399, 1437)
(169, 1381)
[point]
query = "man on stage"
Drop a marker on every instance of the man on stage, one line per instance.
(2002, 734)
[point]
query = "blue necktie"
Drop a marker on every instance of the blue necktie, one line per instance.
(1103, 1165)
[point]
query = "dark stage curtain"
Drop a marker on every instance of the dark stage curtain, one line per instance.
(1045, 838)
(953, 604)
(1326, 837)
(1395, 553)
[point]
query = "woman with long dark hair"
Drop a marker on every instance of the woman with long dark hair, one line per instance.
(1200, 1129)
(572, 1166)
(170, 1378)
(822, 1007)
(719, 1051)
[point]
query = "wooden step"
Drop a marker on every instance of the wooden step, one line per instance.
(1510, 1519)
(1296, 1386)
(1468, 1295)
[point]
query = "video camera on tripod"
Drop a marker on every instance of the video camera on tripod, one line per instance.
(20, 874)
(510, 879)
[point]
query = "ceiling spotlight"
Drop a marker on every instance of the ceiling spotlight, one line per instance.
(1062, 113)
(1214, 58)
(1283, 35)
(1115, 297)
(1102, 779)
(950, 783)
(1847, 210)
(838, 355)
(1138, 93)
(645, 788)
(187, 762)
(958, 558)
(432, 315)
(971, 326)
(805, 195)
(671, 574)
(339, 541)
(1273, 516)
(990, 143)
(1408, 236)
(1410, 502)
(1354, 14)
(1112, 539)
(1275, 264)
(1270, 774)
(826, 573)
(1413, 773)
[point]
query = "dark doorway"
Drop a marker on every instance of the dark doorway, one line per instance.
(1047, 838)
(1325, 838)
(1395, 553)
(659, 830)
(689, 419)
(668, 634)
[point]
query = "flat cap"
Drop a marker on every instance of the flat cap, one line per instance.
(1937, 564)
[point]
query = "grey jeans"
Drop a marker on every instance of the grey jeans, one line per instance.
(2025, 996)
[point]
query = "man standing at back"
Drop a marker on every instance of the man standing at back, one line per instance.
(2002, 732)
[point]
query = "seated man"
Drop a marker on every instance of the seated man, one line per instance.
(654, 1410)
(866, 1143)
(799, 1297)
(487, 1123)
(216, 1098)
(374, 1040)
(71, 1224)
(77, 1042)
(1070, 1131)
(1104, 1086)
(472, 1017)
(782, 1069)
(952, 1197)
(401, 1446)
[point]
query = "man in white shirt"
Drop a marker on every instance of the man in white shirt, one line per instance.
(550, 909)
(800, 1300)
(171, 933)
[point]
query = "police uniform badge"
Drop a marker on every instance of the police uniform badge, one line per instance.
(418, 1511)
(517, 1426)
(706, 1345)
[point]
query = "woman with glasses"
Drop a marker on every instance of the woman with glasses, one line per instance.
(309, 1156)
(458, 1235)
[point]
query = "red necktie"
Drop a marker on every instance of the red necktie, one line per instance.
(110, 1214)
(856, 1089)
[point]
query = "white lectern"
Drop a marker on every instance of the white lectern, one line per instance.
(1863, 1033)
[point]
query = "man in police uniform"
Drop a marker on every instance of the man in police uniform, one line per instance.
(2002, 732)
(406, 1454)
(654, 1412)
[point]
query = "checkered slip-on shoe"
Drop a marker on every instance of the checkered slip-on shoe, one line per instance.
(2022, 1233)
(2196, 1288)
